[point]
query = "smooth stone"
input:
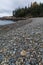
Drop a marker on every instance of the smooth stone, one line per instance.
(11, 60)
(1, 58)
(40, 63)
(41, 49)
(14, 44)
(39, 58)
(31, 56)
(20, 59)
(33, 61)
(27, 63)
(12, 64)
(23, 53)
(17, 63)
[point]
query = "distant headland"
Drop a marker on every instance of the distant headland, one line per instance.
(12, 18)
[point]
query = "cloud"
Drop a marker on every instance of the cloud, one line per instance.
(23, 3)
(12, 4)
(7, 6)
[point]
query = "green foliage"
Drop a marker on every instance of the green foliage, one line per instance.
(21, 12)
(35, 10)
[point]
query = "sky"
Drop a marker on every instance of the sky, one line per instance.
(7, 6)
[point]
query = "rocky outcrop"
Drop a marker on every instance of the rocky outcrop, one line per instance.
(11, 18)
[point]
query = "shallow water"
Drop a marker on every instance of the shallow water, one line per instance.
(5, 22)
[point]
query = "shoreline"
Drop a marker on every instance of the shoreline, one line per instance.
(15, 25)
(22, 41)
(12, 18)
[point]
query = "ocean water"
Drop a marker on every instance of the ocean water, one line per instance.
(6, 22)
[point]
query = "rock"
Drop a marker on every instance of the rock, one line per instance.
(1, 58)
(17, 63)
(12, 61)
(27, 63)
(31, 56)
(20, 62)
(39, 58)
(34, 54)
(21, 46)
(23, 53)
(40, 63)
(20, 59)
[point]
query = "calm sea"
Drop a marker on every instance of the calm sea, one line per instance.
(6, 22)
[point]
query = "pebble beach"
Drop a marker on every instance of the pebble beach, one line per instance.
(22, 43)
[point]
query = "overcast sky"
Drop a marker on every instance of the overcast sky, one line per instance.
(6, 6)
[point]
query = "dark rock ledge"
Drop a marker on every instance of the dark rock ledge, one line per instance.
(11, 18)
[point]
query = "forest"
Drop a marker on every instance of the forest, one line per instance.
(35, 10)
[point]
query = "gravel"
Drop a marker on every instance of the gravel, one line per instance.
(22, 45)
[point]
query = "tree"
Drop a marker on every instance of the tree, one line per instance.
(34, 4)
(35, 10)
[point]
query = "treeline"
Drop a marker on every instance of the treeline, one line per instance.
(35, 10)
